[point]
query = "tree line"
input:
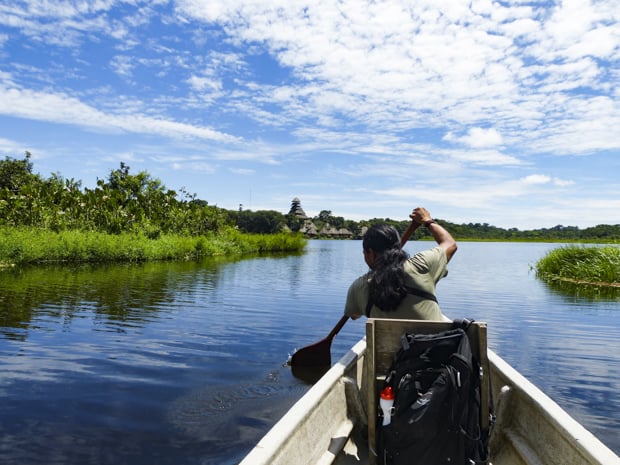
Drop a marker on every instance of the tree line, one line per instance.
(125, 202)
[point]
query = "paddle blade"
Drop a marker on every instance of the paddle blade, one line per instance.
(319, 353)
(315, 355)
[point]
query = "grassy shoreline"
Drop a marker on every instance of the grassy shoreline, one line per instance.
(596, 266)
(20, 246)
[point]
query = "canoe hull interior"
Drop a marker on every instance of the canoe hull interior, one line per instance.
(328, 425)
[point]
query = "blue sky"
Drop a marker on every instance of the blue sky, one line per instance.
(504, 112)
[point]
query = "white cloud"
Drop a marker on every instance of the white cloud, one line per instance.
(535, 179)
(8, 146)
(520, 27)
(69, 23)
(478, 138)
(204, 83)
(198, 167)
(123, 65)
(542, 179)
(126, 156)
(562, 182)
(580, 127)
(60, 108)
(242, 171)
(601, 43)
(484, 157)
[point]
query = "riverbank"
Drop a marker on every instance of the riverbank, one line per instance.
(20, 246)
(597, 266)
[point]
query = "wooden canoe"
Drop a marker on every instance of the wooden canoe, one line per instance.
(329, 424)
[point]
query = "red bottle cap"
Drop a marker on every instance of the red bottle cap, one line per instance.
(387, 393)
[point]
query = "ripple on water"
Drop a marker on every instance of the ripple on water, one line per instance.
(235, 412)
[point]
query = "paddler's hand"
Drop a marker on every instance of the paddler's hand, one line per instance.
(420, 216)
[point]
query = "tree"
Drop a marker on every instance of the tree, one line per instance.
(260, 222)
(325, 216)
(15, 173)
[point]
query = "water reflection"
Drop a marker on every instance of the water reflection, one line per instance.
(118, 297)
(128, 294)
(584, 291)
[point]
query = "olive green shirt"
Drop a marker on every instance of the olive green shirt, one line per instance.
(423, 271)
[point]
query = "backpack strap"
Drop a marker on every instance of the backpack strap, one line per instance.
(368, 307)
(410, 290)
(463, 323)
(421, 293)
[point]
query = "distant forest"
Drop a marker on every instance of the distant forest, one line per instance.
(484, 231)
(126, 202)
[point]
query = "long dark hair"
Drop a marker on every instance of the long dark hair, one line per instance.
(387, 277)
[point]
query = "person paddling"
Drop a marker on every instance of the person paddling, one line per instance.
(399, 286)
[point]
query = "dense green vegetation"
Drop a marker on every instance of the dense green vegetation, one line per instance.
(579, 264)
(122, 203)
(30, 245)
(125, 218)
(135, 217)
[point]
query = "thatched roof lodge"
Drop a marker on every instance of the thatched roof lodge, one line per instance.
(309, 229)
(330, 231)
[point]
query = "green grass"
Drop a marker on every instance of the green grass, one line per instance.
(31, 245)
(580, 264)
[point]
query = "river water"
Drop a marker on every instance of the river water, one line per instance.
(184, 363)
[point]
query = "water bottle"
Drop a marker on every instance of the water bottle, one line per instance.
(386, 401)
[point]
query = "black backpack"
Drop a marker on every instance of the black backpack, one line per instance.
(436, 412)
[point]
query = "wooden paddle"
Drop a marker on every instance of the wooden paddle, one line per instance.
(319, 353)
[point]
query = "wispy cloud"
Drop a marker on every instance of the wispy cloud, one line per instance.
(61, 108)
(541, 179)
(10, 146)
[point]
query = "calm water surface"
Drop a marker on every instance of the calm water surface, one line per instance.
(184, 363)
